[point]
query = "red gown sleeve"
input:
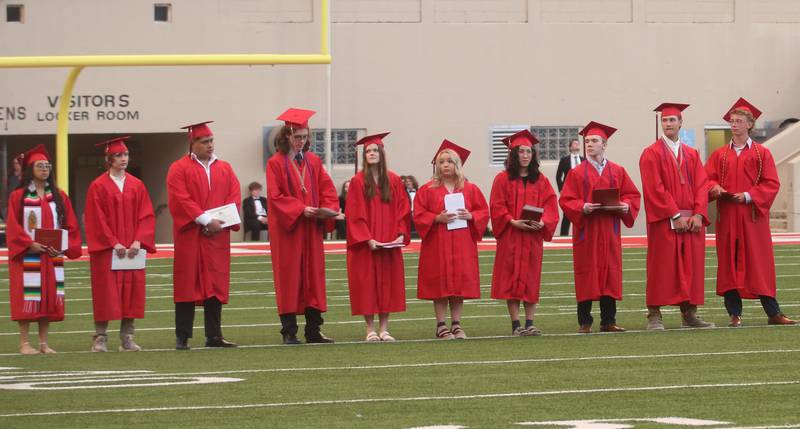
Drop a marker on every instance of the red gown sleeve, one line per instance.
(700, 190)
(99, 235)
(476, 204)
(550, 205)
(764, 192)
(146, 225)
(328, 197)
(288, 208)
(234, 192)
(71, 225)
(402, 208)
(426, 208)
(498, 200)
(358, 231)
(18, 240)
(659, 203)
(712, 171)
(629, 194)
(571, 199)
(182, 207)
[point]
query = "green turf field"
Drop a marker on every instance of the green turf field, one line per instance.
(743, 377)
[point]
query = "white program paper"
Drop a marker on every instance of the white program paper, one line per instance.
(453, 202)
(228, 214)
(126, 263)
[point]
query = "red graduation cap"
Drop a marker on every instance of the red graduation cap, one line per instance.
(597, 129)
(199, 130)
(375, 138)
(37, 153)
(743, 104)
(115, 145)
(671, 109)
(296, 118)
(460, 151)
(520, 138)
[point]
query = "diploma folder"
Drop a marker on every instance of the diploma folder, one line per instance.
(532, 213)
(453, 202)
(55, 238)
(126, 263)
(228, 214)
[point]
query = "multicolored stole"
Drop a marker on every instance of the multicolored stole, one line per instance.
(32, 262)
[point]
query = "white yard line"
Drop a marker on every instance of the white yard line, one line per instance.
(620, 389)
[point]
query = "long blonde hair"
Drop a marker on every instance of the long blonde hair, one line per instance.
(437, 176)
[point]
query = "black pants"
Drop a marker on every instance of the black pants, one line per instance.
(565, 226)
(733, 303)
(608, 311)
(313, 323)
(254, 228)
(212, 315)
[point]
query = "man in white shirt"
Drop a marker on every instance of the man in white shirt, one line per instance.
(565, 165)
(254, 209)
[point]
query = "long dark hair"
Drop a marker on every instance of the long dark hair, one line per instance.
(513, 168)
(27, 178)
(283, 140)
(383, 177)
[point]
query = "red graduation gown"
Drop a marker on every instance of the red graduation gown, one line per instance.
(51, 307)
(675, 261)
(113, 217)
(518, 264)
(376, 278)
(202, 264)
(596, 243)
(448, 260)
(298, 258)
(745, 227)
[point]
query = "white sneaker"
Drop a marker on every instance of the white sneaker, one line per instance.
(128, 345)
(100, 343)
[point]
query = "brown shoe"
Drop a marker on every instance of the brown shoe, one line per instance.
(780, 319)
(611, 328)
(585, 329)
(736, 321)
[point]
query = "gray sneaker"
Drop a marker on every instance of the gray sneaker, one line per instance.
(100, 343)
(531, 331)
(655, 324)
(693, 321)
(518, 331)
(128, 345)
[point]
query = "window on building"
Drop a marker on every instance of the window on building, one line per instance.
(499, 151)
(554, 141)
(343, 145)
(162, 12)
(15, 13)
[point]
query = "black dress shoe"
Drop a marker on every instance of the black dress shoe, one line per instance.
(291, 339)
(319, 338)
(219, 342)
(182, 344)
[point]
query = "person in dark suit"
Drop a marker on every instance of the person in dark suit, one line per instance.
(254, 209)
(566, 164)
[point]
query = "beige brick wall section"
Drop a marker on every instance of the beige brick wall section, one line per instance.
(267, 11)
(376, 11)
(478, 11)
(775, 11)
(690, 11)
(568, 11)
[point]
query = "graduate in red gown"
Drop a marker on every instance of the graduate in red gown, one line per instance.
(744, 181)
(448, 259)
(198, 182)
(596, 238)
(378, 214)
(119, 223)
(36, 270)
(517, 271)
(675, 188)
(302, 206)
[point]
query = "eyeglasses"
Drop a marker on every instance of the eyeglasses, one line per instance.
(739, 121)
(42, 166)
